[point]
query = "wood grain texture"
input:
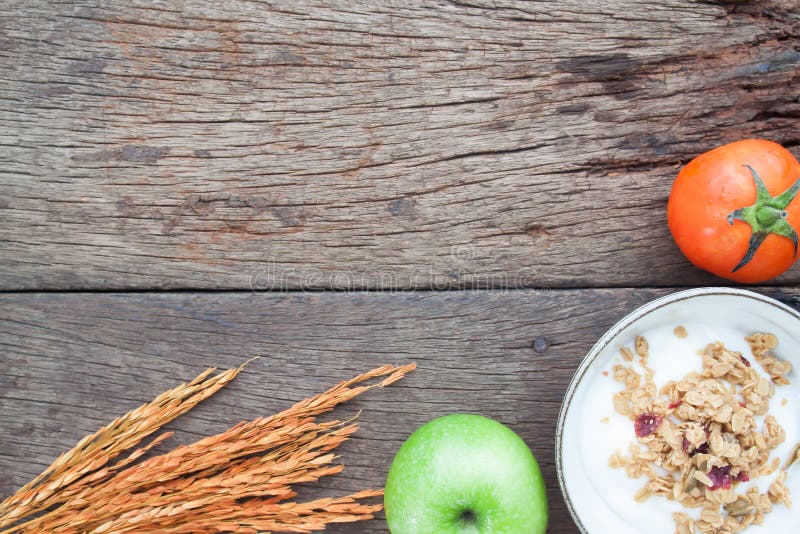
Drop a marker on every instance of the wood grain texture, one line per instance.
(200, 144)
(71, 362)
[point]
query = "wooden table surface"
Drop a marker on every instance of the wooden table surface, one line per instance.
(483, 183)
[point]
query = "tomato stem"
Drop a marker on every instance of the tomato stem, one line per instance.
(767, 215)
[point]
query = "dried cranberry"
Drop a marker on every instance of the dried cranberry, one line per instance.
(742, 477)
(720, 477)
(646, 424)
(673, 405)
(745, 361)
(703, 448)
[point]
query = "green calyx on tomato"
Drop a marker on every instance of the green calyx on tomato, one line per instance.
(767, 215)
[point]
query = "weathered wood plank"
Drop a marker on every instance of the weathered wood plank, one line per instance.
(71, 362)
(207, 144)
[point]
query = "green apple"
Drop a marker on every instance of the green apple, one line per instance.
(465, 473)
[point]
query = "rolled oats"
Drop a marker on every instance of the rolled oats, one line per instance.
(627, 354)
(794, 457)
(701, 431)
(762, 344)
(642, 348)
(778, 492)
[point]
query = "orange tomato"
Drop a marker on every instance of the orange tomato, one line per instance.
(732, 210)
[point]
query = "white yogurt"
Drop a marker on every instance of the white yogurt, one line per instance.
(671, 358)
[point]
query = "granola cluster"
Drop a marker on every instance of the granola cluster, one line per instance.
(698, 438)
(762, 345)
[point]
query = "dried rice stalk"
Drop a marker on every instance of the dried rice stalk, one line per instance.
(95, 451)
(263, 516)
(234, 481)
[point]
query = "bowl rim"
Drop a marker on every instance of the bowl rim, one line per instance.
(610, 335)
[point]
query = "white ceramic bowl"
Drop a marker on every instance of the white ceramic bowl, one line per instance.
(599, 498)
